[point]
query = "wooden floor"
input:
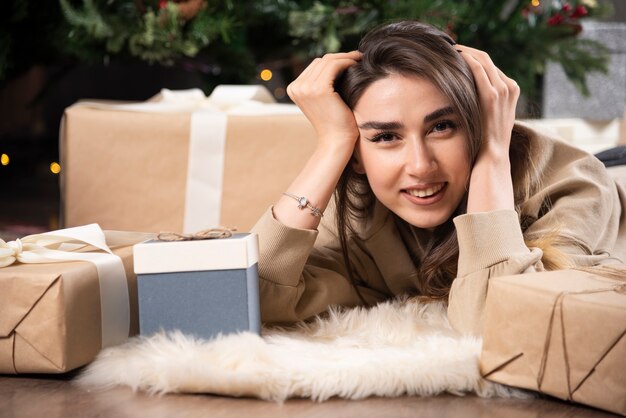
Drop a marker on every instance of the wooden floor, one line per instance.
(52, 397)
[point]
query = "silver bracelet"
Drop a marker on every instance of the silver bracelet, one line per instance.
(303, 202)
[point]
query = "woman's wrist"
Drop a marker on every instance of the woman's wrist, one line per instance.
(494, 152)
(316, 183)
(336, 145)
(490, 186)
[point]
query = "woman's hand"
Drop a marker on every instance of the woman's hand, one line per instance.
(314, 93)
(498, 96)
(491, 186)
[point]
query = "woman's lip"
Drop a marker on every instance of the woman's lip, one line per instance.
(424, 186)
(425, 201)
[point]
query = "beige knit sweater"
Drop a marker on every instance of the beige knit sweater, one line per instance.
(302, 272)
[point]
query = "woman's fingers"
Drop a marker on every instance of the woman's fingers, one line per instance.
(512, 84)
(498, 96)
(492, 83)
(331, 69)
(319, 76)
(314, 93)
(312, 71)
(496, 77)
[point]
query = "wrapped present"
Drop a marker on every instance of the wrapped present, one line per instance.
(562, 333)
(200, 287)
(180, 162)
(64, 295)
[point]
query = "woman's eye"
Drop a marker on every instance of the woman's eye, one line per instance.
(384, 137)
(443, 126)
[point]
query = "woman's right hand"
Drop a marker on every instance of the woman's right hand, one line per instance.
(337, 132)
(314, 93)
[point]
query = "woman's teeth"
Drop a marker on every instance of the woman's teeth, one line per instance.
(426, 192)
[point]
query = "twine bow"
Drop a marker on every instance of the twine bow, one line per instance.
(211, 233)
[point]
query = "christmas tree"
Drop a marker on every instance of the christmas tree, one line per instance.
(236, 37)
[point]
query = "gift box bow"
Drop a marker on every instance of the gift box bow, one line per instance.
(231, 99)
(573, 321)
(86, 243)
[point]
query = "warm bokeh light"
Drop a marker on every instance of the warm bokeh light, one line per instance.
(279, 92)
(535, 3)
(55, 167)
(266, 75)
(4, 159)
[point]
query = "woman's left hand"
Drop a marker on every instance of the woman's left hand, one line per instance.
(491, 186)
(498, 96)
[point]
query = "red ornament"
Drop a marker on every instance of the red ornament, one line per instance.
(555, 20)
(580, 11)
(566, 7)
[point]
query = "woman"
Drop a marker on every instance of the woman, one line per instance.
(436, 188)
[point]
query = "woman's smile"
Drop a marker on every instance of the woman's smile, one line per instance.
(425, 195)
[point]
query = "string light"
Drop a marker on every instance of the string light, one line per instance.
(535, 3)
(266, 75)
(4, 159)
(55, 167)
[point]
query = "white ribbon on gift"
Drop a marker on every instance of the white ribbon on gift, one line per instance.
(203, 198)
(62, 245)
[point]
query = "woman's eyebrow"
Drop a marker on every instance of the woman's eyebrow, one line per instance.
(444, 111)
(391, 125)
(382, 126)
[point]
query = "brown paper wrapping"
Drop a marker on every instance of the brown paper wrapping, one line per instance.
(128, 170)
(562, 333)
(50, 315)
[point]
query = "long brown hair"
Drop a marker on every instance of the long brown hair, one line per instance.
(418, 50)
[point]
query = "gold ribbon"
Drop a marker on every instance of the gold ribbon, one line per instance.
(211, 233)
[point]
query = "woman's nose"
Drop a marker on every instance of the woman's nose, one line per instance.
(420, 160)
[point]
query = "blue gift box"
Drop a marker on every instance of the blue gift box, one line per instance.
(201, 287)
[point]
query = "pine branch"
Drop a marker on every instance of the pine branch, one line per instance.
(88, 18)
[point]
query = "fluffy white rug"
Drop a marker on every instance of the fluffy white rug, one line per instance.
(396, 348)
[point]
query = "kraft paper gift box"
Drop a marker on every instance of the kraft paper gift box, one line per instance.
(180, 162)
(56, 313)
(562, 333)
(199, 287)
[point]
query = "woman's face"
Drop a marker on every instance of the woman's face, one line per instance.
(412, 149)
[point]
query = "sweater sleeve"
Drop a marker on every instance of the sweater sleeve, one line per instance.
(490, 244)
(298, 279)
(577, 203)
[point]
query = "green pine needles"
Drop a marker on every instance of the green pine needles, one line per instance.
(156, 33)
(237, 36)
(519, 35)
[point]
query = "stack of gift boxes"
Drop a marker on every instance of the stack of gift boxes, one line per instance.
(60, 306)
(178, 162)
(185, 163)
